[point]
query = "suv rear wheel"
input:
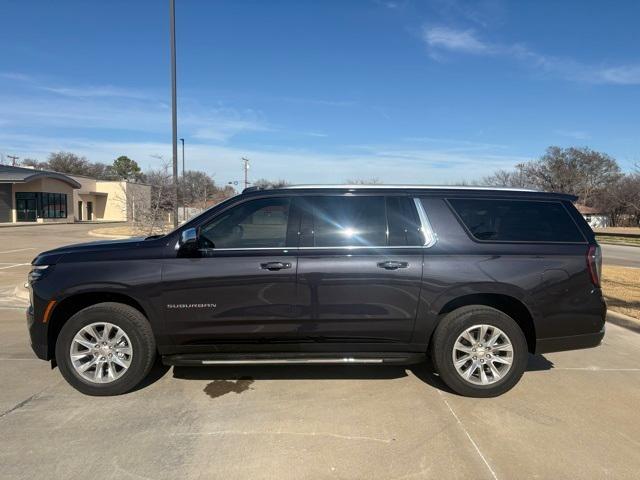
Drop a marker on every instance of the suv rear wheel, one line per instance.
(479, 351)
(105, 349)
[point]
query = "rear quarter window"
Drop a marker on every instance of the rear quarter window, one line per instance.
(516, 220)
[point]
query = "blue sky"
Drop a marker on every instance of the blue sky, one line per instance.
(406, 91)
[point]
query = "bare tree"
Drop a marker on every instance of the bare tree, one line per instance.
(264, 183)
(364, 181)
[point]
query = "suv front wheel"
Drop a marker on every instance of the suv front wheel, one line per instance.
(479, 351)
(105, 349)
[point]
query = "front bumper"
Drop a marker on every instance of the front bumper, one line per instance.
(38, 335)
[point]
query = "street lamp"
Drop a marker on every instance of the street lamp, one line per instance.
(174, 104)
(184, 183)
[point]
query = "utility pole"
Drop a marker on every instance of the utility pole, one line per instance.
(246, 171)
(184, 184)
(13, 159)
(174, 107)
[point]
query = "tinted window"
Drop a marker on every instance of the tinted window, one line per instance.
(349, 221)
(404, 224)
(253, 224)
(517, 220)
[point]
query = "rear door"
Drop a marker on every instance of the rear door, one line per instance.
(359, 268)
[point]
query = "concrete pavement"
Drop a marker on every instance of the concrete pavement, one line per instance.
(621, 255)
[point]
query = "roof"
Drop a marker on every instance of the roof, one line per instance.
(585, 210)
(419, 189)
(9, 174)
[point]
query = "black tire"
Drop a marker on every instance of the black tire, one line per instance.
(137, 329)
(453, 325)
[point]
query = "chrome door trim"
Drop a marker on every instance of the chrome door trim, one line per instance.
(430, 237)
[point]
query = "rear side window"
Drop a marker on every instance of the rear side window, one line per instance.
(516, 220)
(349, 221)
(404, 224)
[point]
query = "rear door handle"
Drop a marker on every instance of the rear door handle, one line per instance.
(391, 265)
(275, 265)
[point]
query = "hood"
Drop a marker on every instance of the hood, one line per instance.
(51, 257)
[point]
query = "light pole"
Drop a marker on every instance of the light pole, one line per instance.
(246, 172)
(174, 105)
(184, 184)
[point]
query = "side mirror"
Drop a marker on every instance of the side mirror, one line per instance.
(189, 238)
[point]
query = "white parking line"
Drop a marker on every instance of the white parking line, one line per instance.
(18, 250)
(15, 265)
(475, 445)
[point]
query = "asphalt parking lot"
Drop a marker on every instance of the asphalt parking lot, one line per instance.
(573, 415)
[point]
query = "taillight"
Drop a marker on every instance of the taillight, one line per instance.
(594, 263)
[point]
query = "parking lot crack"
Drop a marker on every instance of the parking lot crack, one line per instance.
(19, 405)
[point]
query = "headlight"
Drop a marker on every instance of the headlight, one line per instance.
(37, 272)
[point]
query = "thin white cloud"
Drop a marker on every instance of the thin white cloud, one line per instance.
(575, 134)
(455, 40)
(96, 91)
(16, 76)
(36, 105)
(441, 40)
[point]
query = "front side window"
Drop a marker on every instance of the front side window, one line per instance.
(516, 220)
(260, 223)
(348, 221)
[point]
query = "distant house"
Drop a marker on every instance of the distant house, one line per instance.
(594, 217)
(28, 195)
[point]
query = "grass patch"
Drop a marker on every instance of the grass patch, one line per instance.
(618, 240)
(621, 288)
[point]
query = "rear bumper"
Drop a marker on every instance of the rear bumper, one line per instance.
(573, 342)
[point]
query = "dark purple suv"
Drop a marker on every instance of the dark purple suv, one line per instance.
(476, 278)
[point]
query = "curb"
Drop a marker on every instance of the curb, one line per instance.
(106, 235)
(46, 224)
(624, 321)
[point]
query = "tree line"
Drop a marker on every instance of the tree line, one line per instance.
(594, 177)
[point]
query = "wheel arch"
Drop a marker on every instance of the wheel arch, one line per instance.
(71, 305)
(508, 304)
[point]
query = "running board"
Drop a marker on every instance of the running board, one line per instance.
(200, 359)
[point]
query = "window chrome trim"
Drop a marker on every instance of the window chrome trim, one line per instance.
(430, 238)
(288, 249)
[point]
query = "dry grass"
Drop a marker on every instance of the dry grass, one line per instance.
(621, 287)
(633, 230)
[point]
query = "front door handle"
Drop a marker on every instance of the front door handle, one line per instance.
(391, 265)
(275, 265)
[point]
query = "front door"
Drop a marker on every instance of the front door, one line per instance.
(89, 211)
(26, 209)
(359, 268)
(240, 287)
(80, 210)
